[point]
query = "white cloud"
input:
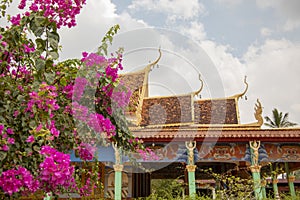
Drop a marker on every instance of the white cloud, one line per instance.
(273, 71)
(230, 69)
(229, 3)
(194, 30)
(287, 10)
(175, 9)
(291, 24)
(265, 31)
(94, 21)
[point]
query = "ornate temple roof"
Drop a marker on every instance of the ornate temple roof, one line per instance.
(165, 111)
(180, 117)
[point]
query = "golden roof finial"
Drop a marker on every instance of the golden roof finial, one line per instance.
(243, 93)
(149, 66)
(258, 113)
(201, 87)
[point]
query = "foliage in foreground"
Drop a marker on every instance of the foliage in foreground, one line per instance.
(173, 190)
(49, 109)
(227, 187)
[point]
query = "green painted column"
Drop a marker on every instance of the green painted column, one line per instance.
(290, 179)
(191, 168)
(275, 188)
(192, 181)
(118, 167)
(118, 181)
(274, 183)
(257, 182)
(255, 169)
(263, 188)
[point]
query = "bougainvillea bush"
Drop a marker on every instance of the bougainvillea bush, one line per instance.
(49, 108)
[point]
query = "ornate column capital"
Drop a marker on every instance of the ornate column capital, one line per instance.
(118, 168)
(275, 181)
(255, 168)
(291, 179)
(264, 183)
(191, 168)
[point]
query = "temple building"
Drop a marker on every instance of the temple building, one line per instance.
(190, 135)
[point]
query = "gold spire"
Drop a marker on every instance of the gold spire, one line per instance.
(243, 93)
(201, 87)
(149, 66)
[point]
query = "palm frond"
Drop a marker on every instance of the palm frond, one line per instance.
(278, 120)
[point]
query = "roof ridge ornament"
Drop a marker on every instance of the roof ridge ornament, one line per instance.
(151, 65)
(237, 96)
(258, 113)
(201, 87)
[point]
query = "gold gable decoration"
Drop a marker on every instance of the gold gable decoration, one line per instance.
(237, 96)
(137, 82)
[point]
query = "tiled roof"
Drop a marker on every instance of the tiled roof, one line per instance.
(134, 82)
(217, 111)
(167, 110)
(178, 109)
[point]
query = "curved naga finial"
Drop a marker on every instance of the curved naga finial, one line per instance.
(258, 113)
(243, 93)
(201, 87)
(155, 62)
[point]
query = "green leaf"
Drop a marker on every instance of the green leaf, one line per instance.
(28, 150)
(41, 93)
(38, 31)
(37, 25)
(32, 124)
(41, 141)
(49, 63)
(39, 20)
(36, 148)
(3, 155)
(53, 39)
(20, 97)
(54, 55)
(40, 64)
(50, 77)
(63, 81)
(40, 44)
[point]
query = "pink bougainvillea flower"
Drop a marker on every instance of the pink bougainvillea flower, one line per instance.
(39, 127)
(11, 140)
(1, 128)
(4, 44)
(22, 4)
(16, 113)
(28, 49)
(86, 151)
(5, 148)
(20, 179)
(30, 139)
(85, 54)
(15, 20)
(9, 131)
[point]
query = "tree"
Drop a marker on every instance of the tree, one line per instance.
(278, 120)
(50, 108)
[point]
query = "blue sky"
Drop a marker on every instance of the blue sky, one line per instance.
(234, 22)
(259, 39)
